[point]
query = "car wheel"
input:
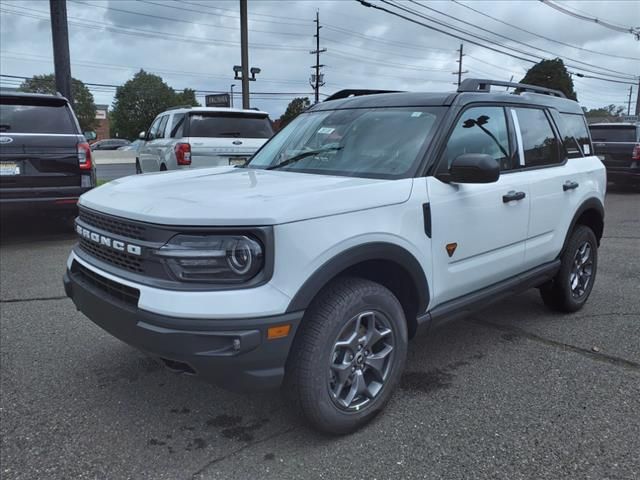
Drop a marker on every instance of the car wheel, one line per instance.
(138, 169)
(163, 168)
(348, 355)
(570, 289)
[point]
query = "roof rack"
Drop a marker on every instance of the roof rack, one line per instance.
(180, 106)
(478, 85)
(355, 93)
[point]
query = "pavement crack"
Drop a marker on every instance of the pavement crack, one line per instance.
(34, 299)
(597, 356)
(244, 447)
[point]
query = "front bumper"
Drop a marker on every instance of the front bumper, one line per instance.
(232, 353)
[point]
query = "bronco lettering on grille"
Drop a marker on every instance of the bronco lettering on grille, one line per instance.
(109, 242)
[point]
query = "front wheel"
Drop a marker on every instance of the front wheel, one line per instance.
(570, 289)
(348, 355)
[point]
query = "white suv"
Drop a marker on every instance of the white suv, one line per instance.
(196, 137)
(361, 222)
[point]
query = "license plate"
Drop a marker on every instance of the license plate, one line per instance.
(9, 168)
(238, 161)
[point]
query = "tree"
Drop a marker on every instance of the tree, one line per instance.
(551, 74)
(610, 112)
(83, 104)
(140, 100)
(295, 108)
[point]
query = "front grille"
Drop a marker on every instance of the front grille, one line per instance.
(119, 259)
(113, 224)
(113, 289)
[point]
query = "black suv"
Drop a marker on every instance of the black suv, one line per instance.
(45, 161)
(618, 144)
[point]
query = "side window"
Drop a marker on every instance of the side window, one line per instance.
(575, 135)
(153, 129)
(177, 125)
(163, 125)
(480, 130)
(540, 145)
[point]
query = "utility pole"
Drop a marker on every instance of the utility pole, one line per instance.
(317, 79)
(459, 61)
(629, 101)
(60, 36)
(244, 47)
(638, 99)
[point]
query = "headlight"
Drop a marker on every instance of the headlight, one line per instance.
(213, 258)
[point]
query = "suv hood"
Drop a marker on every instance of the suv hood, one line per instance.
(228, 196)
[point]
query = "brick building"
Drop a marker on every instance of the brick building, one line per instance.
(102, 117)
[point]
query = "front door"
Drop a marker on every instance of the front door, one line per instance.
(478, 230)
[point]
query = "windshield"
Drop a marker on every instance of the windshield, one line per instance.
(373, 142)
(229, 125)
(26, 115)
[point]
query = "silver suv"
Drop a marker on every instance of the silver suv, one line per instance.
(196, 137)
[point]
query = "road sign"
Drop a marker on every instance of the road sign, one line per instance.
(218, 100)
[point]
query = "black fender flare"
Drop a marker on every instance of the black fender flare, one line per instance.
(589, 204)
(355, 255)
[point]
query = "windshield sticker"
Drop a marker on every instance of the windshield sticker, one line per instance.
(416, 114)
(586, 148)
(326, 130)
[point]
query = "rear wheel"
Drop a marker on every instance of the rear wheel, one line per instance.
(570, 289)
(348, 355)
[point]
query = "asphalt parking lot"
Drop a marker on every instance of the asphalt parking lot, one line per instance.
(512, 392)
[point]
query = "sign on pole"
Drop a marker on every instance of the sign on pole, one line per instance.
(218, 100)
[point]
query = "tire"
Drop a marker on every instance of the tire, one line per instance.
(163, 168)
(138, 169)
(326, 355)
(580, 258)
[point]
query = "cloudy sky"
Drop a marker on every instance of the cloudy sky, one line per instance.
(195, 43)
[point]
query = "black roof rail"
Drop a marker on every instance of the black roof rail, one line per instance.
(483, 85)
(355, 93)
(179, 106)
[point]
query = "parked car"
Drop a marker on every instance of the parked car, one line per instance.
(133, 146)
(196, 137)
(45, 161)
(363, 221)
(618, 144)
(110, 144)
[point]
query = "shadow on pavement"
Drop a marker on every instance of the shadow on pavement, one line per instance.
(35, 227)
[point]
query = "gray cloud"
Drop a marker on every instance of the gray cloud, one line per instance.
(196, 43)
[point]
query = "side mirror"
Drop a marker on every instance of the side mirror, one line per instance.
(142, 135)
(474, 168)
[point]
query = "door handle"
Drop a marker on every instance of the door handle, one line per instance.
(570, 185)
(513, 195)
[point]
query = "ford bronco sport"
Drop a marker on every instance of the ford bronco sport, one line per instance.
(366, 219)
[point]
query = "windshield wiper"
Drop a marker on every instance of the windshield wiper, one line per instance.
(302, 155)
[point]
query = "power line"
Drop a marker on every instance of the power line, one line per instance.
(465, 39)
(542, 36)
(618, 28)
(605, 70)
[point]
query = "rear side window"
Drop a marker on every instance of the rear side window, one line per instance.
(177, 125)
(575, 135)
(540, 145)
(228, 125)
(481, 130)
(614, 134)
(26, 115)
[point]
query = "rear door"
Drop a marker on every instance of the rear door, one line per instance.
(225, 138)
(479, 234)
(38, 143)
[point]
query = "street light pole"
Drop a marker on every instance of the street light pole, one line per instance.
(244, 48)
(60, 36)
